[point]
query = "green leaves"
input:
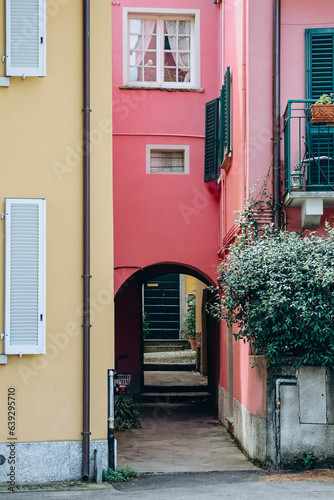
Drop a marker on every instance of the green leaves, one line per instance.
(120, 474)
(127, 415)
(279, 290)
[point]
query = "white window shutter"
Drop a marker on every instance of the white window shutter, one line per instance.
(25, 276)
(25, 38)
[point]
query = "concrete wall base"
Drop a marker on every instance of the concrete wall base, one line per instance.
(305, 418)
(249, 430)
(48, 461)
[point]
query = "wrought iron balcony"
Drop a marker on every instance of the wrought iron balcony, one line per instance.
(308, 163)
(308, 153)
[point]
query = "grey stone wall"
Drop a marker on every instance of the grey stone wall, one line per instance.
(303, 425)
(48, 461)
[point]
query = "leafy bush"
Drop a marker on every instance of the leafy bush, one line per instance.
(127, 415)
(279, 290)
(119, 474)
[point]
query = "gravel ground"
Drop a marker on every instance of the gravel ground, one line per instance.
(187, 356)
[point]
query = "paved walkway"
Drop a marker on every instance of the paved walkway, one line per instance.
(162, 379)
(179, 438)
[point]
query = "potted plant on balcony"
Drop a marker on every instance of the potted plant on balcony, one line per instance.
(322, 110)
(190, 320)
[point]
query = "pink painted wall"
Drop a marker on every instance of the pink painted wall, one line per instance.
(164, 218)
(252, 150)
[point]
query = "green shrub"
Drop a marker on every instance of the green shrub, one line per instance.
(190, 319)
(119, 474)
(127, 415)
(279, 291)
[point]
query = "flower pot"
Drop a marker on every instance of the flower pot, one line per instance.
(322, 113)
(192, 341)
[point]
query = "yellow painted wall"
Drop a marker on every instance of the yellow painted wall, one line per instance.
(41, 138)
(190, 284)
(199, 299)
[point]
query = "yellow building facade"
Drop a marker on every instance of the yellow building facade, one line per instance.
(42, 159)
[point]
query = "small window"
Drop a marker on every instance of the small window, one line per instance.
(167, 159)
(161, 50)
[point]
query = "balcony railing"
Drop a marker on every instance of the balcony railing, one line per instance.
(308, 150)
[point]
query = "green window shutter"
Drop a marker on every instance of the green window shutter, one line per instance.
(222, 125)
(319, 62)
(211, 140)
(227, 117)
(319, 65)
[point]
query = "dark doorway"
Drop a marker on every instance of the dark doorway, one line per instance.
(162, 307)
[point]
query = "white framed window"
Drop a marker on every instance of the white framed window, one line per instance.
(161, 48)
(25, 38)
(25, 276)
(162, 159)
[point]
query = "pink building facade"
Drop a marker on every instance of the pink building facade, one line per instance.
(305, 34)
(168, 63)
(164, 71)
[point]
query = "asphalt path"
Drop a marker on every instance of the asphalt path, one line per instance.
(220, 485)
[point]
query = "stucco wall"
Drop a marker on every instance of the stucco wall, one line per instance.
(41, 144)
(164, 218)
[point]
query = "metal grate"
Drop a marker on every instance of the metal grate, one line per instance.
(166, 161)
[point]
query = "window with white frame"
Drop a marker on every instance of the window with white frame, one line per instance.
(162, 159)
(161, 48)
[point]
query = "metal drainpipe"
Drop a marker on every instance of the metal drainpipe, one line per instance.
(279, 382)
(276, 112)
(86, 240)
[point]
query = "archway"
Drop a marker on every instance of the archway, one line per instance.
(129, 328)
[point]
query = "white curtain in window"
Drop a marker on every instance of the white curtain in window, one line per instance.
(144, 41)
(181, 59)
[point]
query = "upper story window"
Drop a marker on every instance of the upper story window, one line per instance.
(161, 48)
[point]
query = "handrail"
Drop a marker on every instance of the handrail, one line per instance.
(308, 149)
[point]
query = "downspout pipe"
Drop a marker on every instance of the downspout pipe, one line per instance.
(279, 382)
(276, 113)
(86, 241)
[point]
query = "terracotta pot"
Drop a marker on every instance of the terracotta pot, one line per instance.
(192, 341)
(322, 113)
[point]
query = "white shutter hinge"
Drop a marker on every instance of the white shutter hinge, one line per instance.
(2, 336)
(3, 58)
(2, 215)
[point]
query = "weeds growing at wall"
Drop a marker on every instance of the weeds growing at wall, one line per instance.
(120, 474)
(127, 414)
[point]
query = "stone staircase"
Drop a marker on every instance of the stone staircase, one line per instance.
(165, 345)
(173, 386)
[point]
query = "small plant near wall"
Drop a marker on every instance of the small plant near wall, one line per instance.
(309, 461)
(127, 415)
(190, 319)
(279, 291)
(120, 474)
(146, 325)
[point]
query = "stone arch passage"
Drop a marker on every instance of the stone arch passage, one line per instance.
(128, 325)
